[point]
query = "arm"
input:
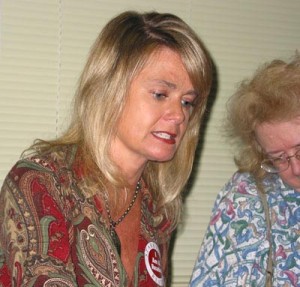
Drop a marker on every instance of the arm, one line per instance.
(234, 249)
(34, 237)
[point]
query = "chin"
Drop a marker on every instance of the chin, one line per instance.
(295, 186)
(162, 158)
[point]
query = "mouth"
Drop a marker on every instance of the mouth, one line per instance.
(168, 137)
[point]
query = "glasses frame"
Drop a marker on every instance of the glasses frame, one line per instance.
(271, 168)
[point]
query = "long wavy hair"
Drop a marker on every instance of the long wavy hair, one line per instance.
(271, 95)
(119, 53)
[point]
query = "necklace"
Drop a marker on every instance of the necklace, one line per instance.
(113, 224)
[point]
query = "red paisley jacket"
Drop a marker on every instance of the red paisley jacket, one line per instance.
(52, 234)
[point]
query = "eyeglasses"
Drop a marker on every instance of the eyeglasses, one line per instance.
(278, 164)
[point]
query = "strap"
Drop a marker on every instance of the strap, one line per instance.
(269, 269)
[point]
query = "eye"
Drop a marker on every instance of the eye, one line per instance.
(158, 95)
(297, 154)
(278, 160)
(187, 103)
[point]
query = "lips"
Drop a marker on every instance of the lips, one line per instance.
(165, 136)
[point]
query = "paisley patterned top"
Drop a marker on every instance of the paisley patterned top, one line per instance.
(52, 234)
(235, 248)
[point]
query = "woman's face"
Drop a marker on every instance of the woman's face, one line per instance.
(157, 112)
(282, 138)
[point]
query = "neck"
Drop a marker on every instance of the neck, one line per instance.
(131, 176)
(131, 165)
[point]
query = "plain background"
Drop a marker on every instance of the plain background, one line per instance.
(44, 44)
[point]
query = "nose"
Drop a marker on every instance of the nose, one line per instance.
(176, 113)
(295, 165)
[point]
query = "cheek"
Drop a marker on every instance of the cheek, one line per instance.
(287, 176)
(183, 129)
(284, 176)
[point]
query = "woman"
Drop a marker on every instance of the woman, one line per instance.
(96, 207)
(253, 238)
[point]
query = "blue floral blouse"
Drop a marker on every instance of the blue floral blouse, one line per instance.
(235, 248)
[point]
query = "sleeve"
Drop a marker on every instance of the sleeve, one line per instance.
(234, 249)
(34, 235)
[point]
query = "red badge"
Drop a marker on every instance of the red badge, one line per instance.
(153, 263)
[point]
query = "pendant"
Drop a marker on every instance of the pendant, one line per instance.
(115, 239)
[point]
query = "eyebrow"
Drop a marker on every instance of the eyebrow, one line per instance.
(174, 86)
(281, 152)
(167, 83)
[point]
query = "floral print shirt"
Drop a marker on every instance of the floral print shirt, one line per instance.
(235, 248)
(52, 234)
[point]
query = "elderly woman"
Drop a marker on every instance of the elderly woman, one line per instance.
(97, 206)
(253, 238)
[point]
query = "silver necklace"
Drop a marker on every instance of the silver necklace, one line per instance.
(113, 224)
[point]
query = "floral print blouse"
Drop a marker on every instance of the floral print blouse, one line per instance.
(235, 248)
(52, 234)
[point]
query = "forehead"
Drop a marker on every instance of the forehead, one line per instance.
(278, 136)
(164, 57)
(165, 64)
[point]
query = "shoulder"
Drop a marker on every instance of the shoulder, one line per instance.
(235, 242)
(240, 185)
(238, 200)
(33, 217)
(241, 182)
(38, 173)
(238, 207)
(52, 162)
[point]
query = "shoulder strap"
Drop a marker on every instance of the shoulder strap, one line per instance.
(269, 274)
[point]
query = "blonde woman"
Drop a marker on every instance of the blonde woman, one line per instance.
(253, 238)
(97, 206)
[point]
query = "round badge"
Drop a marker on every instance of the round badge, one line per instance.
(153, 263)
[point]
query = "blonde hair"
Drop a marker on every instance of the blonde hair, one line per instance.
(273, 94)
(117, 56)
